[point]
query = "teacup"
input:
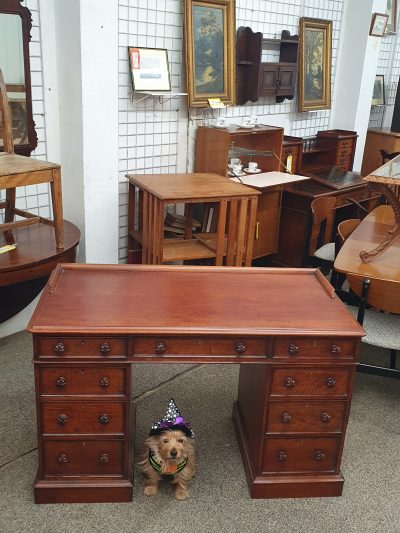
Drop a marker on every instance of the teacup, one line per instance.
(237, 169)
(252, 166)
(246, 123)
(253, 120)
(221, 122)
(235, 161)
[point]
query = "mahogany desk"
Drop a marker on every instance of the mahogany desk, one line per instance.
(298, 355)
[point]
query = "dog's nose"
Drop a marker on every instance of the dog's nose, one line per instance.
(174, 453)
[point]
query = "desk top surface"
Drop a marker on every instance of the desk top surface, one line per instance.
(178, 300)
(189, 186)
(371, 232)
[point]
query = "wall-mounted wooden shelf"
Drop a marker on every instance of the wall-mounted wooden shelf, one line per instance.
(257, 78)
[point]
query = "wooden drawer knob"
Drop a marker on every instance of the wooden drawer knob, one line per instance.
(61, 382)
(104, 458)
(293, 349)
(330, 382)
(62, 459)
(59, 348)
(290, 383)
(240, 347)
(62, 420)
(325, 417)
(104, 419)
(104, 382)
(281, 455)
(286, 418)
(336, 349)
(319, 455)
(160, 347)
(105, 347)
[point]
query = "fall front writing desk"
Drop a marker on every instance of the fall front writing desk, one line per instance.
(296, 344)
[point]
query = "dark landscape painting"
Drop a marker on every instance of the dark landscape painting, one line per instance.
(313, 64)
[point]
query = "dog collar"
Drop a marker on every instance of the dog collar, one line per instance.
(157, 466)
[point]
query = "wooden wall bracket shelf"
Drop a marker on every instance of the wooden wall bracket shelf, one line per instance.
(257, 78)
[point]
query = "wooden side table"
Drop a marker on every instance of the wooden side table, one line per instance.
(236, 207)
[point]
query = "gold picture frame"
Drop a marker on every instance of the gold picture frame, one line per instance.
(209, 35)
(315, 63)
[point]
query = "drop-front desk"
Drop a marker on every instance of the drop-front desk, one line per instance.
(296, 344)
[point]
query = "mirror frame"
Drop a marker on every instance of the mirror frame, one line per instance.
(14, 7)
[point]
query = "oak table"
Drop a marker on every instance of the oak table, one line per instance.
(297, 356)
(236, 212)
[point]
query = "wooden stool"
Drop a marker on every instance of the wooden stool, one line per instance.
(19, 171)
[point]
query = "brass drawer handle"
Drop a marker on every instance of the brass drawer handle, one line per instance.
(319, 455)
(160, 347)
(335, 349)
(325, 417)
(293, 349)
(105, 347)
(240, 347)
(281, 456)
(62, 420)
(62, 459)
(286, 418)
(61, 382)
(290, 383)
(330, 382)
(104, 382)
(59, 348)
(104, 419)
(104, 458)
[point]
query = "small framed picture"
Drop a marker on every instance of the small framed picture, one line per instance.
(149, 69)
(378, 24)
(378, 96)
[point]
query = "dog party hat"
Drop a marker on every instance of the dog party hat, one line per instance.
(173, 420)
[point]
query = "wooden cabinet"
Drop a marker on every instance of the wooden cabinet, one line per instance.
(329, 148)
(257, 78)
(262, 144)
(378, 139)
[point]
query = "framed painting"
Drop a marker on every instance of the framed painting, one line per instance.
(378, 24)
(391, 12)
(210, 46)
(150, 69)
(378, 95)
(315, 62)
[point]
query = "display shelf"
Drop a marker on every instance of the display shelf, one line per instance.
(163, 97)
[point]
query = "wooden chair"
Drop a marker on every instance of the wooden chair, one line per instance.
(381, 320)
(320, 251)
(18, 171)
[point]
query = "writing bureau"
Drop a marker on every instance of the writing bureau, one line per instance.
(298, 354)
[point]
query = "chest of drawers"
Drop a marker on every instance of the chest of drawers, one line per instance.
(295, 383)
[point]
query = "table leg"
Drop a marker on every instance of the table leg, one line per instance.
(250, 231)
(56, 198)
(231, 237)
(220, 244)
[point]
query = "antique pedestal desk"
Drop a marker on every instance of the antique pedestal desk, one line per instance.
(296, 344)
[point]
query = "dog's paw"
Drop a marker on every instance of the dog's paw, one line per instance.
(150, 490)
(181, 494)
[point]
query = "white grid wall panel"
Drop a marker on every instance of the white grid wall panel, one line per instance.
(148, 131)
(35, 198)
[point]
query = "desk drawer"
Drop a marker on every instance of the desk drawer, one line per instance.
(311, 382)
(101, 347)
(305, 417)
(97, 458)
(300, 455)
(303, 349)
(199, 346)
(359, 195)
(60, 418)
(82, 380)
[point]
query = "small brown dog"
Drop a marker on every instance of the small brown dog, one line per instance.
(170, 454)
